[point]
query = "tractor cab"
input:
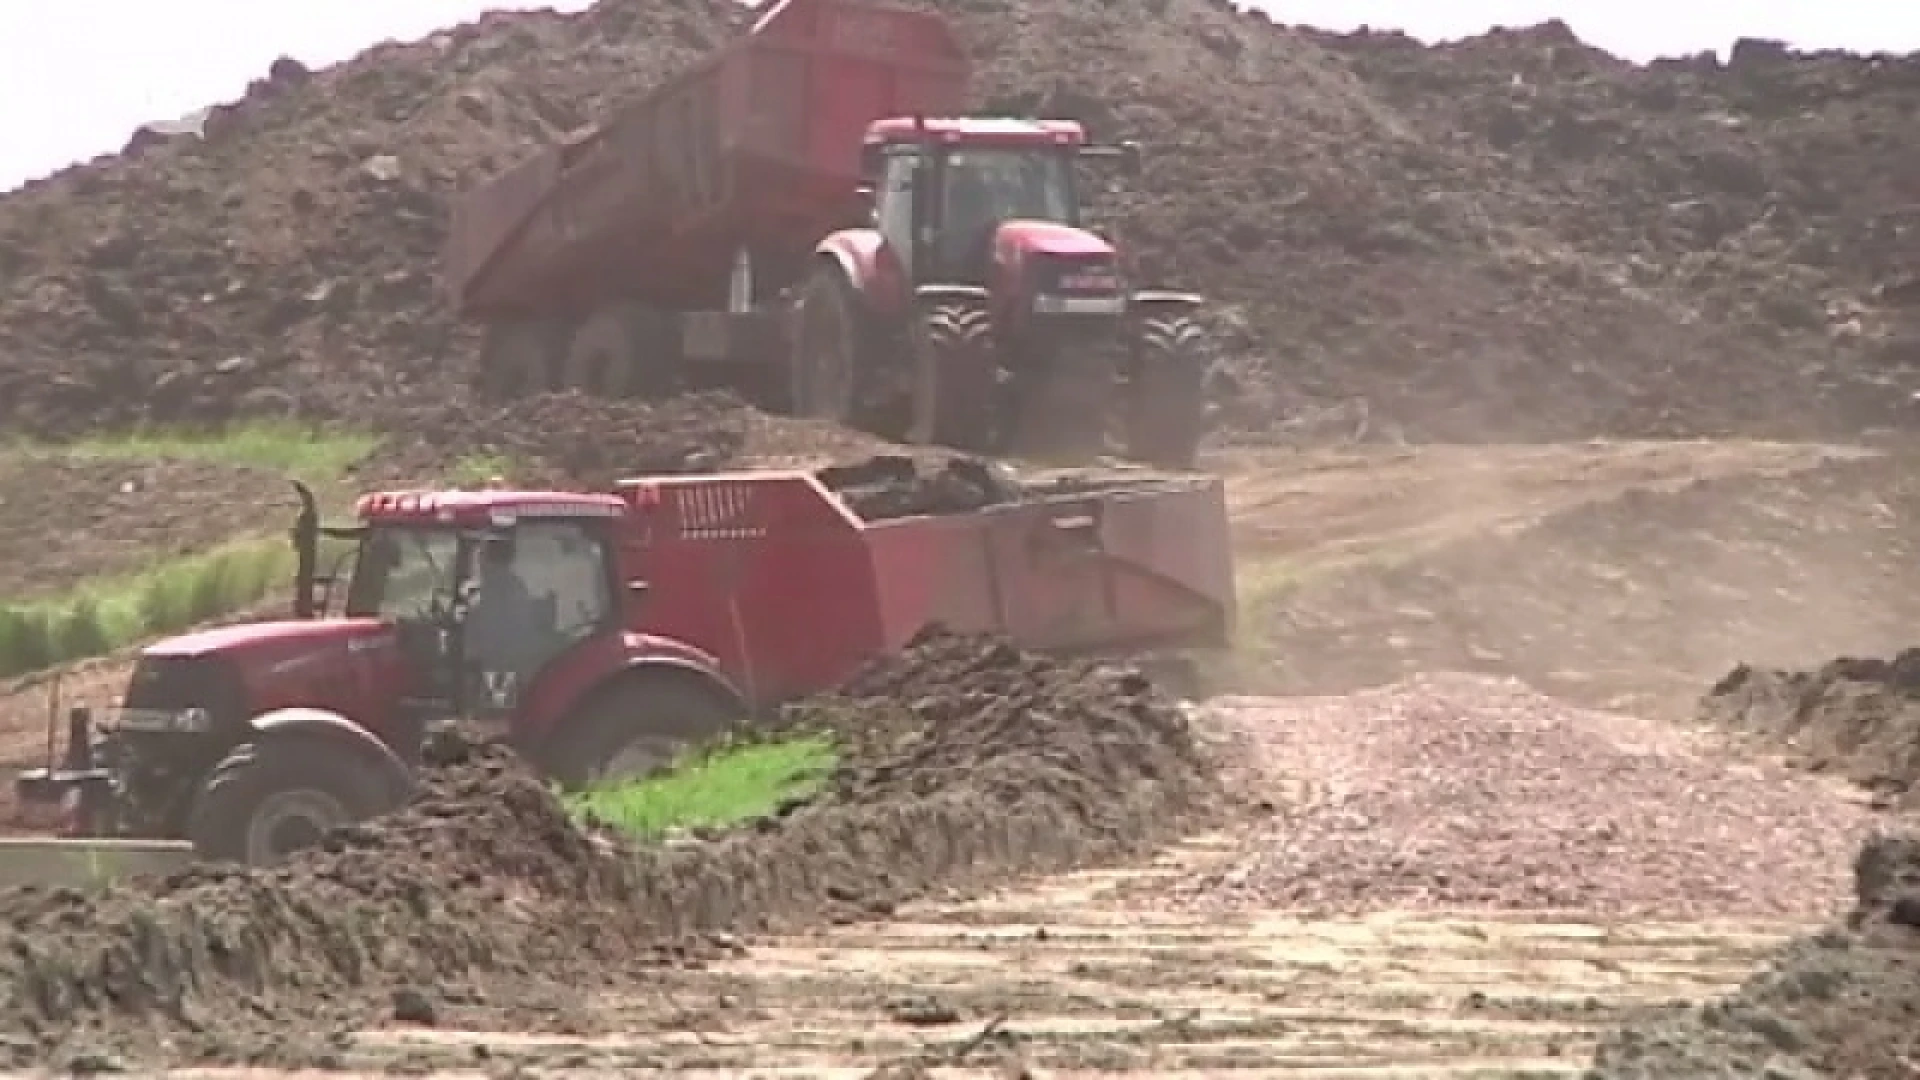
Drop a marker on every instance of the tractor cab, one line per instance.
(486, 589)
(942, 188)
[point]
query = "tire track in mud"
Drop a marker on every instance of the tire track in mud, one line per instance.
(1056, 979)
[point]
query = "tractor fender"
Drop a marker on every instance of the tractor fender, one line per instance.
(683, 671)
(1162, 303)
(871, 272)
(339, 732)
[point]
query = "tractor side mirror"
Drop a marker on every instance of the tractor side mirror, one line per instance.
(869, 204)
(1131, 158)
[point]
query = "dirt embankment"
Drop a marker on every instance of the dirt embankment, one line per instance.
(1837, 1003)
(1632, 603)
(1858, 716)
(967, 761)
(1514, 235)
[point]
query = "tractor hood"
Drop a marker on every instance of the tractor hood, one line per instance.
(1017, 240)
(290, 636)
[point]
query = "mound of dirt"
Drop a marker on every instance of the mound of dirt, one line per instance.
(966, 761)
(1634, 603)
(1513, 235)
(570, 439)
(65, 519)
(1859, 716)
(1838, 1003)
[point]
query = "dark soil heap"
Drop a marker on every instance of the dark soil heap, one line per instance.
(966, 761)
(1515, 235)
(1859, 716)
(1840, 1003)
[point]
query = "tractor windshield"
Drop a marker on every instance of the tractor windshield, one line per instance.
(403, 572)
(994, 184)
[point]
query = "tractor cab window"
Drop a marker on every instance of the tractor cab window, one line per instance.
(543, 587)
(989, 185)
(403, 573)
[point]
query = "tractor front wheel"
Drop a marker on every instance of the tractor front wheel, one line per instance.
(267, 800)
(633, 730)
(955, 372)
(1166, 407)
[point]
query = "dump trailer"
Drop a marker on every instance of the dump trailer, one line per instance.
(805, 218)
(602, 633)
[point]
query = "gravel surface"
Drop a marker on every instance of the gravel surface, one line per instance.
(1473, 793)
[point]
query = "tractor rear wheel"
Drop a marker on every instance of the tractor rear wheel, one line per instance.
(827, 363)
(268, 799)
(633, 730)
(1166, 397)
(955, 371)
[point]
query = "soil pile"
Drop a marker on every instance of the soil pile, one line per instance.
(1633, 604)
(966, 760)
(67, 519)
(1838, 1003)
(1859, 716)
(1514, 235)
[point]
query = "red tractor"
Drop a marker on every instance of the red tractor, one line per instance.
(602, 634)
(803, 218)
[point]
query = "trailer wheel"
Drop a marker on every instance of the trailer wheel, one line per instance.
(620, 351)
(268, 799)
(518, 359)
(955, 372)
(635, 729)
(827, 364)
(1166, 397)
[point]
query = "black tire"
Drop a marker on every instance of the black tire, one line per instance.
(828, 365)
(1166, 397)
(268, 799)
(955, 372)
(622, 351)
(634, 729)
(518, 359)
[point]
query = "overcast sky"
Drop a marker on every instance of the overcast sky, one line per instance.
(78, 76)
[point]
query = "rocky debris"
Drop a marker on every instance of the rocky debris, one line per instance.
(1511, 235)
(966, 760)
(1455, 792)
(1836, 1003)
(1857, 716)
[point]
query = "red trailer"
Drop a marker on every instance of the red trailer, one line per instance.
(802, 217)
(603, 632)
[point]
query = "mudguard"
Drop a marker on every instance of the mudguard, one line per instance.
(861, 254)
(1152, 302)
(338, 731)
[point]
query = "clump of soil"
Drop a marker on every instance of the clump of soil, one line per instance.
(1837, 1003)
(569, 438)
(966, 760)
(1858, 716)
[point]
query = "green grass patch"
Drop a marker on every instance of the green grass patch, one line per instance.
(726, 786)
(474, 470)
(115, 612)
(307, 452)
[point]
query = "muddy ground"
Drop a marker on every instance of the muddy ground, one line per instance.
(968, 762)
